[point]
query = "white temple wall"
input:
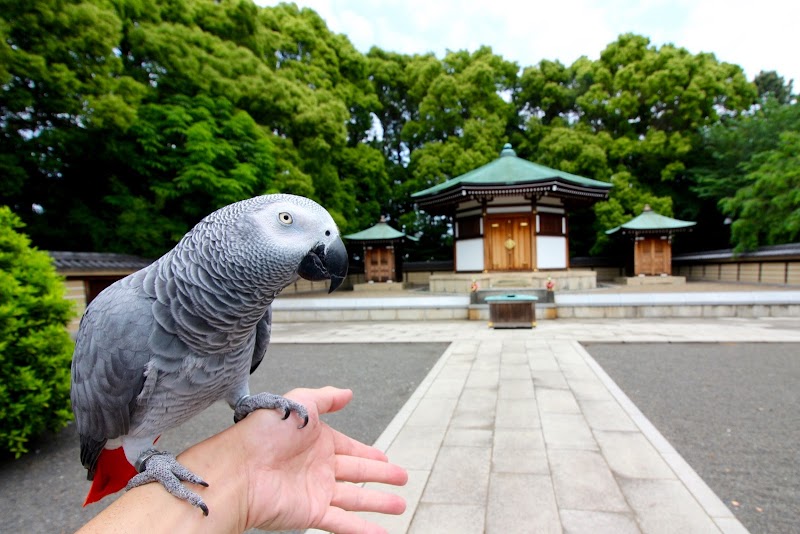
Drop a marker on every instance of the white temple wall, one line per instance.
(551, 252)
(469, 255)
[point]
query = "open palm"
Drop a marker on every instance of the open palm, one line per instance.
(304, 477)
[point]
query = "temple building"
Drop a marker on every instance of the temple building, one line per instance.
(652, 235)
(380, 243)
(510, 215)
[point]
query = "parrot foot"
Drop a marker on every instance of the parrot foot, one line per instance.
(249, 403)
(162, 467)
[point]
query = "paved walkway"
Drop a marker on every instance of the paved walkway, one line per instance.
(521, 431)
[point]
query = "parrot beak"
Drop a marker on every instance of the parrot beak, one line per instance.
(323, 263)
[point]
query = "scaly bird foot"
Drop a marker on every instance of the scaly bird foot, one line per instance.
(249, 403)
(162, 467)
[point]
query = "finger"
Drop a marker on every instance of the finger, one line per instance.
(343, 522)
(358, 499)
(352, 469)
(328, 399)
(346, 445)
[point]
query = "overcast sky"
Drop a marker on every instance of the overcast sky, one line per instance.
(757, 35)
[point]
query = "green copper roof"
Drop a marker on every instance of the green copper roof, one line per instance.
(650, 221)
(379, 232)
(510, 170)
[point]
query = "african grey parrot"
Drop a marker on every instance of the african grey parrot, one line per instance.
(164, 343)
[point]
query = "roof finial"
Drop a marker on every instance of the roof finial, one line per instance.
(646, 208)
(507, 150)
(383, 218)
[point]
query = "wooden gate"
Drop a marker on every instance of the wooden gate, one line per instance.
(379, 264)
(652, 256)
(508, 243)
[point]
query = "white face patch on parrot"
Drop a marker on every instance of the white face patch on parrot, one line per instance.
(292, 226)
(298, 226)
(296, 236)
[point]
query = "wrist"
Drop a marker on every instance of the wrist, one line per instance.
(217, 461)
(149, 508)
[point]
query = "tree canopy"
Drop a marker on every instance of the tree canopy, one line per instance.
(752, 171)
(125, 121)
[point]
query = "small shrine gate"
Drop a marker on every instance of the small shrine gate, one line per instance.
(652, 241)
(381, 264)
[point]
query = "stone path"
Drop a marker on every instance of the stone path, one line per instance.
(522, 431)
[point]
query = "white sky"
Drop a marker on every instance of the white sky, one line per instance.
(757, 35)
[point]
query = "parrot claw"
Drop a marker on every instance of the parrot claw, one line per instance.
(249, 403)
(162, 467)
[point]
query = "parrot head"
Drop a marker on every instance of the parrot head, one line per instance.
(302, 239)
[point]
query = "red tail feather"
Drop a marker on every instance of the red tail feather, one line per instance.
(112, 474)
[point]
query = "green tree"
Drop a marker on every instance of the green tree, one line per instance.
(60, 77)
(767, 211)
(224, 100)
(323, 104)
(35, 349)
(731, 143)
(740, 152)
(772, 85)
(190, 156)
(400, 82)
(463, 117)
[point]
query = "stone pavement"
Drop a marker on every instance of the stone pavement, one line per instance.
(521, 431)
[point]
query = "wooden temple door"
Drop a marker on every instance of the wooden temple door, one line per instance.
(379, 264)
(652, 256)
(508, 243)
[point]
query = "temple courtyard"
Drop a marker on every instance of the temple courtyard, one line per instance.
(513, 430)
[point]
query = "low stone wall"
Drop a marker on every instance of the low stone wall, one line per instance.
(364, 308)
(753, 311)
(480, 312)
(369, 314)
(759, 272)
(775, 264)
(463, 282)
(417, 278)
(750, 304)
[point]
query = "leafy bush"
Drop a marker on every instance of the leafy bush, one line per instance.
(35, 348)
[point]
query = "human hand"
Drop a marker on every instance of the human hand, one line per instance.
(265, 472)
(300, 478)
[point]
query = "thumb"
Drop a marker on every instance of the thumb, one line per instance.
(327, 400)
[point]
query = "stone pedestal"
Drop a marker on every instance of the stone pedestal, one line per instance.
(512, 311)
(566, 280)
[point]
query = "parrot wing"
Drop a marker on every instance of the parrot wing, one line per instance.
(109, 366)
(263, 331)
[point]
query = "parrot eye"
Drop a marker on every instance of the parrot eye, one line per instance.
(285, 217)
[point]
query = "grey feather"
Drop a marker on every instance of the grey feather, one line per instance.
(263, 332)
(108, 369)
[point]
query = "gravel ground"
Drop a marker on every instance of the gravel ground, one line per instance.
(731, 410)
(43, 491)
